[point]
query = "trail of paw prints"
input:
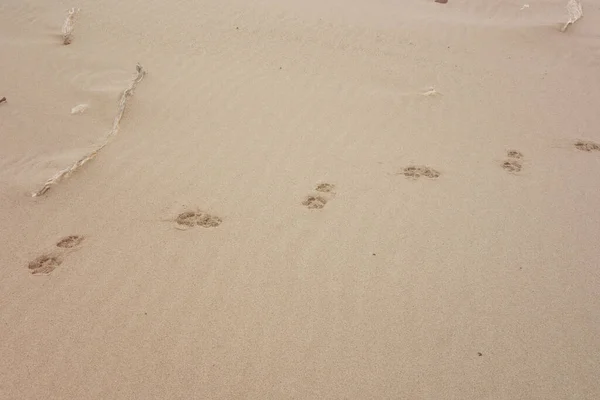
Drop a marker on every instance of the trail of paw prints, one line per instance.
(513, 162)
(317, 201)
(48, 262)
(190, 219)
(586, 145)
(417, 171)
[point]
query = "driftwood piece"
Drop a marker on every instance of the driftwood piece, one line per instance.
(65, 173)
(68, 26)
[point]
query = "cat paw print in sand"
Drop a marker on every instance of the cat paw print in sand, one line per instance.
(314, 202)
(513, 162)
(48, 262)
(44, 264)
(318, 200)
(70, 241)
(418, 171)
(586, 145)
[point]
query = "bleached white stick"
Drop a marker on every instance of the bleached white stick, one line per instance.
(68, 26)
(65, 173)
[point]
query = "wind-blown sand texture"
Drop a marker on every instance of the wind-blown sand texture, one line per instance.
(318, 199)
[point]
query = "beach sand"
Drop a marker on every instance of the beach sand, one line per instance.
(306, 200)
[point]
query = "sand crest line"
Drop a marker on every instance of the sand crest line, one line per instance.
(65, 173)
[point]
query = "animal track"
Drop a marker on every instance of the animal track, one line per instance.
(514, 154)
(513, 164)
(325, 187)
(70, 241)
(190, 219)
(416, 171)
(44, 264)
(585, 145)
(315, 202)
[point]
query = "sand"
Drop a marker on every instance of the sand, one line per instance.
(342, 199)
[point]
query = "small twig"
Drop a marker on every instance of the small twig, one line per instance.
(66, 172)
(3, 100)
(431, 92)
(68, 26)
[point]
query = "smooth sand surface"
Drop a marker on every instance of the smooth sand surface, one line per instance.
(480, 283)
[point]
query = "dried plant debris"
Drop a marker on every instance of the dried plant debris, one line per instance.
(80, 108)
(575, 11)
(431, 92)
(69, 26)
(66, 172)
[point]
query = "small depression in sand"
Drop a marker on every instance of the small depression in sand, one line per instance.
(44, 264)
(189, 219)
(417, 171)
